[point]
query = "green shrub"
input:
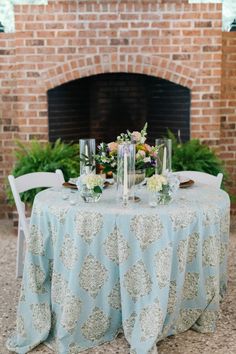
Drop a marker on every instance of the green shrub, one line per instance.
(195, 156)
(44, 157)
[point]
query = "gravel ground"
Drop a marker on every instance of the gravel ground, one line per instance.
(223, 341)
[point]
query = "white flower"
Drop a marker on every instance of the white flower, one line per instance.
(147, 159)
(92, 180)
(156, 182)
(142, 140)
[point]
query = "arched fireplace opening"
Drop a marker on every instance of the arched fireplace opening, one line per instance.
(104, 105)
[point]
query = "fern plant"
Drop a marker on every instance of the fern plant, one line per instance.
(195, 156)
(44, 157)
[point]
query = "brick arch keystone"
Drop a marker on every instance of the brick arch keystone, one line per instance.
(111, 63)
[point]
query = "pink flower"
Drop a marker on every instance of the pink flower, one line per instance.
(113, 146)
(153, 153)
(140, 153)
(136, 136)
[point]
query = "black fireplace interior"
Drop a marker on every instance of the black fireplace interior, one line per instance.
(102, 106)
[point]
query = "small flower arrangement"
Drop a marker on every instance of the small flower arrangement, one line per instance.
(162, 188)
(146, 155)
(94, 182)
(156, 183)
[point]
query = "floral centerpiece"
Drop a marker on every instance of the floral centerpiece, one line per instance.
(90, 187)
(162, 188)
(146, 155)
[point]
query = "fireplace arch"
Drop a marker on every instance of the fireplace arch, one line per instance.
(103, 105)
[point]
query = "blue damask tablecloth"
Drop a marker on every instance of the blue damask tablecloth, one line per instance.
(94, 269)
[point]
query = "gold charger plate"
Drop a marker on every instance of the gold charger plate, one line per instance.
(69, 185)
(186, 184)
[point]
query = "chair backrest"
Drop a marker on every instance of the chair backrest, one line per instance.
(203, 177)
(29, 181)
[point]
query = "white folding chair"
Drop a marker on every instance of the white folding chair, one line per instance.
(202, 177)
(21, 184)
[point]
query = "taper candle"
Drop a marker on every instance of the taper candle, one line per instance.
(125, 189)
(86, 158)
(164, 161)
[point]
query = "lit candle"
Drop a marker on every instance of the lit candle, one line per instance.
(86, 158)
(164, 161)
(125, 190)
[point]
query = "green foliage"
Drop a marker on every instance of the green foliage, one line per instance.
(194, 156)
(45, 157)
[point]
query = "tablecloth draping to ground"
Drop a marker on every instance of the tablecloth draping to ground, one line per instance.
(94, 269)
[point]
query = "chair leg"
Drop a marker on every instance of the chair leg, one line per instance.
(20, 253)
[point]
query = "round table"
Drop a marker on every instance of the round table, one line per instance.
(94, 269)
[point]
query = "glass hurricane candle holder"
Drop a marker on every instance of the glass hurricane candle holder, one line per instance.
(164, 154)
(87, 156)
(126, 172)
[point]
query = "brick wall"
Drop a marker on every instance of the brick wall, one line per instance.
(67, 40)
(228, 111)
(8, 124)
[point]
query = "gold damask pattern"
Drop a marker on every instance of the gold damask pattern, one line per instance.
(191, 283)
(75, 348)
(147, 229)
(36, 277)
(41, 316)
(128, 325)
(59, 213)
(193, 240)
(186, 319)
(137, 281)
(70, 312)
(211, 215)
(88, 224)
(69, 252)
(212, 287)
(59, 286)
(114, 298)
(162, 264)
(210, 251)
(116, 247)
(52, 233)
(182, 219)
(172, 297)
(225, 223)
(37, 210)
(35, 242)
(93, 276)
(182, 254)
(151, 321)
(206, 322)
(96, 325)
(223, 251)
